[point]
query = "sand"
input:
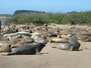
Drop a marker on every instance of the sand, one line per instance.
(51, 58)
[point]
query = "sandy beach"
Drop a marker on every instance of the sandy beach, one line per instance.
(51, 58)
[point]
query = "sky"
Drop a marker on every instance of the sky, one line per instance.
(9, 6)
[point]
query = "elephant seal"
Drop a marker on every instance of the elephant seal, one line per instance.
(84, 34)
(84, 37)
(74, 41)
(17, 34)
(28, 49)
(58, 40)
(73, 44)
(66, 46)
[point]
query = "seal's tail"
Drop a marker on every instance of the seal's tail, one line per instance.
(8, 53)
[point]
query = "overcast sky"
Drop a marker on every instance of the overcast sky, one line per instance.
(9, 6)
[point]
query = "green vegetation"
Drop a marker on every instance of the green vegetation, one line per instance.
(26, 12)
(28, 16)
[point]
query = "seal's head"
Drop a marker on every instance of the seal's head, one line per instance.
(43, 41)
(69, 35)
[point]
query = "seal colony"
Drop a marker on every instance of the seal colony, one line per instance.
(24, 37)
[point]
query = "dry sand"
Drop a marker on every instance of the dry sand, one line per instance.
(51, 58)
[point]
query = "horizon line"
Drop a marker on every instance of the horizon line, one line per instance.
(47, 11)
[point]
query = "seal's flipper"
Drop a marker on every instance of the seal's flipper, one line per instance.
(4, 54)
(37, 51)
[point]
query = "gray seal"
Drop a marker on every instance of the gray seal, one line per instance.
(73, 44)
(74, 41)
(28, 49)
(65, 47)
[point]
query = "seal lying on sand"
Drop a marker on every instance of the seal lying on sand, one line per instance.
(74, 41)
(66, 46)
(73, 45)
(17, 34)
(28, 49)
(84, 37)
